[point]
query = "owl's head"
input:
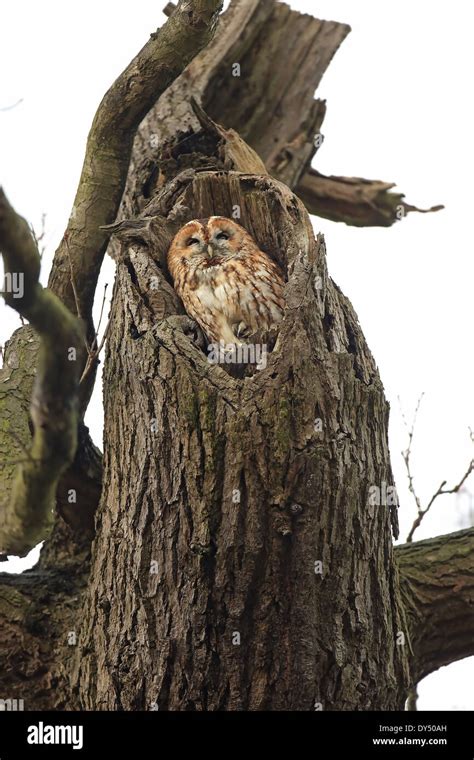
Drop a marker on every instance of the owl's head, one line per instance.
(207, 242)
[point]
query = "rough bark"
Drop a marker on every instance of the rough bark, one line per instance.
(38, 624)
(189, 437)
(73, 280)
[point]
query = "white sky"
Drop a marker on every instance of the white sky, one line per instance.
(399, 97)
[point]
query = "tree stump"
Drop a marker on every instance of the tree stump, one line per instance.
(238, 562)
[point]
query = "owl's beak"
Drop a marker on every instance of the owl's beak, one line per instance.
(210, 252)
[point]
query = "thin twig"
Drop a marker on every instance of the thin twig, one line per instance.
(441, 490)
(94, 355)
(407, 453)
(102, 307)
(94, 345)
(73, 281)
(412, 700)
(40, 238)
(76, 297)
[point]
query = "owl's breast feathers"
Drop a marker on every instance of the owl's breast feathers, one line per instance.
(221, 292)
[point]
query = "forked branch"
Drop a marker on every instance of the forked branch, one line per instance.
(28, 515)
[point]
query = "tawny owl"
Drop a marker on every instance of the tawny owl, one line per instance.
(227, 284)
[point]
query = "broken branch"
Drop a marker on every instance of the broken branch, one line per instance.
(355, 201)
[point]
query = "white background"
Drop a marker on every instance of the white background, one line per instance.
(399, 109)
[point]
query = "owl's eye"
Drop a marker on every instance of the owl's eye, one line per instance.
(191, 241)
(222, 236)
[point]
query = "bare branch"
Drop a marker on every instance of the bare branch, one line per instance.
(355, 201)
(109, 148)
(437, 585)
(407, 453)
(40, 236)
(101, 311)
(441, 490)
(95, 349)
(28, 516)
(93, 358)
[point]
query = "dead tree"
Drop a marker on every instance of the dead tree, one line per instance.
(242, 554)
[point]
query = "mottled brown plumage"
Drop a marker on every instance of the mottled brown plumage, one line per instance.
(227, 284)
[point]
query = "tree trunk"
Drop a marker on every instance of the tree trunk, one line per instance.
(238, 563)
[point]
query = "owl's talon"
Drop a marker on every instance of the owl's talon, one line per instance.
(243, 331)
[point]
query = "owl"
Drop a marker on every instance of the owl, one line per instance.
(226, 283)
